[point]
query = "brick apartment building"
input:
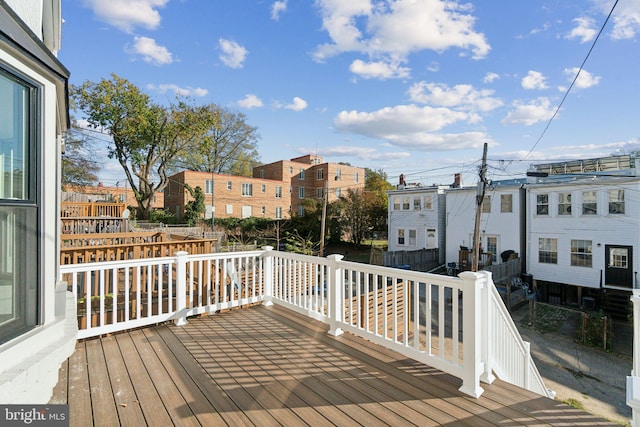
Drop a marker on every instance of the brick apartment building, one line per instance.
(111, 194)
(275, 190)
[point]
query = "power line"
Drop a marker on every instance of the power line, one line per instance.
(555, 113)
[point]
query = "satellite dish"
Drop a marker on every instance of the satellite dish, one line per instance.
(126, 213)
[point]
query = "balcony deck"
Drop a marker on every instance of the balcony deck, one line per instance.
(270, 366)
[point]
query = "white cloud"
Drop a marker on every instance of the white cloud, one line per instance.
(378, 70)
(398, 28)
(233, 54)
(298, 104)
(584, 81)
(277, 8)
(584, 30)
(538, 110)
(534, 80)
(150, 52)
(626, 19)
(490, 78)
(181, 91)
(128, 14)
(411, 126)
(463, 97)
(250, 101)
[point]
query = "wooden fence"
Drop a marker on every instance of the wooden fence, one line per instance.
(91, 209)
(420, 260)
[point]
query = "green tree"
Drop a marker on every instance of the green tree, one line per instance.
(229, 147)
(376, 187)
(146, 136)
(195, 207)
(354, 216)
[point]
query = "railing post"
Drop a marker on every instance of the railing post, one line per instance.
(267, 258)
(471, 333)
(335, 297)
(487, 338)
(181, 288)
(633, 381)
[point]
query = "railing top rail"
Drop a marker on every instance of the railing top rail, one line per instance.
(106, 265)
(223, 255)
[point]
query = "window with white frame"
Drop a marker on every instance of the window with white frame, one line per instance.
(338, 192)
(412, 237)
(396, 203)
(20, 205)
(229, 209)
(263, 188)
(320, 174)
(486, 204)
(542, 204)
(247, 189)
(506, 203)
(228, 185)
(492, 247)
(319, 192)
(428, 202)
(264, 210)
(618, 258)
(355, 177)
(564, 203)
(547, 250)
(589, 203)
(416, 204)
(616, 201)
(406, 203)
(301, 175)
(581, 253)
(278, 212)
(301, 210)
(300, 192)
(261, 173)
(338, 175)
(278, 192)
(208, 186)
(401, 237)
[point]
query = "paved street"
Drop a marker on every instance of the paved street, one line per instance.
(594, 378)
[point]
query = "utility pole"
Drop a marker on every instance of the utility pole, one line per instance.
(482, 184)
(324, 216)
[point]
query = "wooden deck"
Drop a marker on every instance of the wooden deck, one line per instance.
(269, 366)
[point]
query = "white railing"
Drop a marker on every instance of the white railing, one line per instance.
(456, 324)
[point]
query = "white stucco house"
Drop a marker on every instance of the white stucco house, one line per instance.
(37, 314)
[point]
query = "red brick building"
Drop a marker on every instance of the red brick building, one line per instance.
(275, 190)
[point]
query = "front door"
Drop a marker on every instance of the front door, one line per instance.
(619, 269)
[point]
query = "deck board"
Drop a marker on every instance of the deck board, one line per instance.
(270, 366)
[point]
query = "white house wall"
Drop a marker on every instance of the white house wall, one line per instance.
(601, 229)
(420, 220)
(461, 212)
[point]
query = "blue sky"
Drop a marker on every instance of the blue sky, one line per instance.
(406, 86)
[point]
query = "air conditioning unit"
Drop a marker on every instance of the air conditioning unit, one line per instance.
(588, 303)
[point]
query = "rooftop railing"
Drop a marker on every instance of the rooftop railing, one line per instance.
(456, 324)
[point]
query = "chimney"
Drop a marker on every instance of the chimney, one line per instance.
(457, 180)
(402, 181)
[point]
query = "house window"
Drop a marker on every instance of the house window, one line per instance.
(416, 203)
(492, 247)
(19, 207)
(278, 212)
(506, 203)
(406, 203)
(278, 192)
(355, 177)
(616, 201)
(264, 210)
(122, 197)
(301, 175)
(263, 188)
(589, 203)
(319, 193)
(547, 251)
(401, 236)
(247, 189)
(412, 237)
(338, 192)
(581, 253)
(228, 185)
(301, 210)
(618, 258)
(290, 169)
(261, 173)
(338, 175)
(486, 204)
(542, 204)
(564, 203)
(300, 192)
(396, 203)
(428, 204)
(320, 174)
(208, 186)
(229, 209)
